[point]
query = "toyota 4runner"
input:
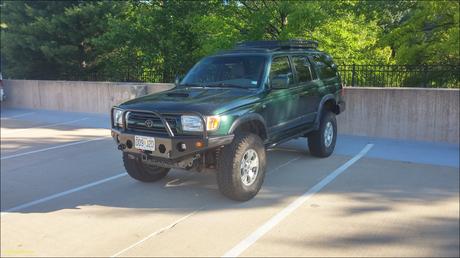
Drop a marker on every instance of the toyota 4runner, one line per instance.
(228, 109)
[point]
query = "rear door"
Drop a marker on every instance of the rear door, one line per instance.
(306, 88)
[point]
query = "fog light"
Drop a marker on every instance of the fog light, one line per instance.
(199, 144)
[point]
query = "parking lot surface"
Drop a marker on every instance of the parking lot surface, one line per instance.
(64, 192)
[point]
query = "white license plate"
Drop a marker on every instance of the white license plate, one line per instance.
(144, 143)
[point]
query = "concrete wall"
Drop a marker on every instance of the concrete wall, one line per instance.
(402, 113)
(76, 96)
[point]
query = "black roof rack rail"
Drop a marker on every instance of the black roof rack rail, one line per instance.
(279, 44)
(244, 50)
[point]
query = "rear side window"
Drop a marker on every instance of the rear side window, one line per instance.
(327, 72)
(303, 68)
(324, 67)
(280, 66)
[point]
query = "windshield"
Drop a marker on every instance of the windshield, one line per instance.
(226, 71)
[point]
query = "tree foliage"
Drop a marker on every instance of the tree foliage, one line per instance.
(156, 39)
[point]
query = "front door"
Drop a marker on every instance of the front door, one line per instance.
(280, 104)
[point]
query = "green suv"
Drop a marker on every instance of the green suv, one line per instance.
(228, 109)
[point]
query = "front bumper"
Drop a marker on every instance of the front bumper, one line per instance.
(169, 147)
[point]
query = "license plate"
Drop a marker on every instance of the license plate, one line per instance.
(144, 143)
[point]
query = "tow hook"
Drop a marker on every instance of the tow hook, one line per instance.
(121, 146)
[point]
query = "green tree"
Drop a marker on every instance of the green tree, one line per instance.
(429, 34)
(155, 39)
(345, 34)
(152, 38)
(51, 39)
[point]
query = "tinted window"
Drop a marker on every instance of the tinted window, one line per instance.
(303, 68)
(323, 64)
(327, 72)
(241, 71)
(280, 66)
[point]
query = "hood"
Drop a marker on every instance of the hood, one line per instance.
(207, 101)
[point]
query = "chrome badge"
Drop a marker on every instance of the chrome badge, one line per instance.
(148, 123)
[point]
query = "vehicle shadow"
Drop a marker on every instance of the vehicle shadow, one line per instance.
(179, 190)
(289, 174)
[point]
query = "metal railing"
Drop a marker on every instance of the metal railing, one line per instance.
(426, 76)
(355, 75)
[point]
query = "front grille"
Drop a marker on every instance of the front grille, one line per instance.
(136, 122)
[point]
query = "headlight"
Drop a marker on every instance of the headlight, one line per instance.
(194, 123)
(191, 123)
(117, 116)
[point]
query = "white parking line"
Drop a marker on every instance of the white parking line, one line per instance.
(16, 116)
(51, 148)
(187, 216)
(45, 126)
(262, 230)
(282, 165)
(54, 196)
(158, 232)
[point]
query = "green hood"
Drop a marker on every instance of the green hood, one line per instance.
(207, 101)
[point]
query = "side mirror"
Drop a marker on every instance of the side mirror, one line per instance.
(177, 80)
(280, 82)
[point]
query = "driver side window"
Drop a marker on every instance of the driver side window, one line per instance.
(280, 68)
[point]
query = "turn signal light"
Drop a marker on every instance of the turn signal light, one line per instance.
(199, 144)
(212, 123)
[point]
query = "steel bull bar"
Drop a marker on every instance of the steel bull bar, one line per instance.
(170, 146)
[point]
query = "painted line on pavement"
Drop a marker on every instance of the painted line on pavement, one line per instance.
(54, 196)
(16, 116)
(45, 126)
(52, 148)
(191, 214)
(262, 230)
(187, 216)
(282, 165)
(158, 232)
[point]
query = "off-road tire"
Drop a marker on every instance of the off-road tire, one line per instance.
(141, 171)
(316, 139)
(229, 170)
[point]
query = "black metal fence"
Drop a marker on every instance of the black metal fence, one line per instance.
(429, 76)
(124, 76)
(369, 75)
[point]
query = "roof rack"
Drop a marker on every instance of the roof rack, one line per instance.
(279, 44)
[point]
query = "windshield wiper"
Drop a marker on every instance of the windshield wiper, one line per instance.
(228, 85)
(193, 85)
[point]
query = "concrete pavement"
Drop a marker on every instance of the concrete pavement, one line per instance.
(64, 193)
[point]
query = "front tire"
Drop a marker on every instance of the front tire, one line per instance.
(241, 167)
(141, 171)
(322, 141)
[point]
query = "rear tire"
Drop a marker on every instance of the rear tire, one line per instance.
(141, 171)
(241, 167)
(322, 141)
